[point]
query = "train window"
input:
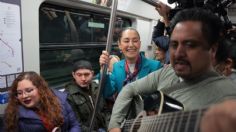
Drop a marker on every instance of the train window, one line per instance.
(68, 35)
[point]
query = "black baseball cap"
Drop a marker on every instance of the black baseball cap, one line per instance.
(82, 64)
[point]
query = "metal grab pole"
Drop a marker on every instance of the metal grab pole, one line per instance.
(104, 70)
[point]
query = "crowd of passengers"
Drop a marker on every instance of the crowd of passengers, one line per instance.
(194, 64)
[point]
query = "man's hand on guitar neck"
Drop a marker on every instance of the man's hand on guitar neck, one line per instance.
(220, 118)
(115, 130)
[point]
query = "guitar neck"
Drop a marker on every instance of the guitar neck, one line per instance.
(181, 121)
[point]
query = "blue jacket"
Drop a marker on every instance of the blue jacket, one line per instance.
(29, 121)
(114, 81)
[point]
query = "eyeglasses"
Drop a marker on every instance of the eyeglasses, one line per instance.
(27, 91)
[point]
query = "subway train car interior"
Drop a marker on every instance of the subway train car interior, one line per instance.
(53, 34)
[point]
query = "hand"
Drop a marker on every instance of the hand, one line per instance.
(104, 58)
(115, 130)
(220, 118)
(163, 11)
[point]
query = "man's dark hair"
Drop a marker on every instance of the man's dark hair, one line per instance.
(212, 26)
(82, 64)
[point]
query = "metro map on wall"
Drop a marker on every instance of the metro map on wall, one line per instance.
(10, 39)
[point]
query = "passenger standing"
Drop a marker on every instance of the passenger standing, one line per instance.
(225, 62)
(82, 93)
(161, 50)
(160, 35)
(162, 27)
(134, 66)
(33, 107)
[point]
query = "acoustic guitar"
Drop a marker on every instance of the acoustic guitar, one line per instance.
(165, 120)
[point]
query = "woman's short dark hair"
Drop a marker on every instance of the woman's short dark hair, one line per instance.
(127, 28)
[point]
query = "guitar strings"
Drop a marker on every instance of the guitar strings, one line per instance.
(166, 119)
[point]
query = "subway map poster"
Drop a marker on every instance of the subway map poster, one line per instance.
(10, 39)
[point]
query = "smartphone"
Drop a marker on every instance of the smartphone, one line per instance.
(152, 2)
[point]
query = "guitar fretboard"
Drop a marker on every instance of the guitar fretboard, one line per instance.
(182, 121)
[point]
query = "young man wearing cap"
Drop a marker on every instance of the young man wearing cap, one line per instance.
(82, 93)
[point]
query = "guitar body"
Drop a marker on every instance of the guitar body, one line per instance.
(154, 105)
(165, 120)
(161, 103)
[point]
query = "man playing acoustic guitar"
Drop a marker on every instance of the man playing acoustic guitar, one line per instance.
(190, 79)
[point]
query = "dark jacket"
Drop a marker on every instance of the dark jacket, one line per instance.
(159, 30)
(82, 102)
(163, 43)
(29, 121)
(161, 40)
